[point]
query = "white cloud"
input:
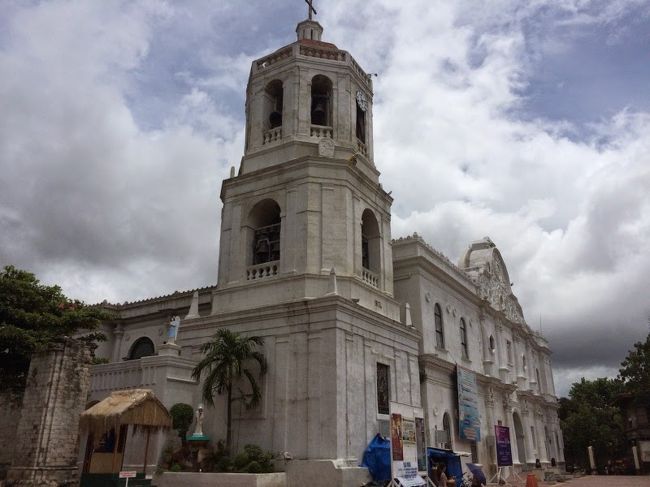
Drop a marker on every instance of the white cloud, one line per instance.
(109, 209)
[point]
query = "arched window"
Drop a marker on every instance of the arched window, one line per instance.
(463, 338)
(440, 335)
(264, 225)
(446, 427)
(370, 241)
(143, 347)
(321, 100)
(361, 122)
(273, 100)
(492, 344)
(520, 438)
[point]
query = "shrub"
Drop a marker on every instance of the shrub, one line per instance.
(182, 416)
(175, 468)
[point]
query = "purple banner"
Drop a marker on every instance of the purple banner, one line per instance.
(504, 452)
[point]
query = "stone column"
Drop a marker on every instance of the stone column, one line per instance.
(47, 440)
(118, 333)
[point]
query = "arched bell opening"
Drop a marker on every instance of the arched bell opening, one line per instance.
(273, 102)
(370, 242)
(264, 226)
(361, 122)
(321, 101)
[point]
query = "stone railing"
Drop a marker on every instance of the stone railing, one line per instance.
(262, 271)
(272, 135)
(321, 131)
(333, 54)
(362, 148)
(359, 71)
(275, 57)
(370, 277)
(123, 375)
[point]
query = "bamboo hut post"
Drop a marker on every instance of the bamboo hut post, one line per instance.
(146, 451)
(116, 446)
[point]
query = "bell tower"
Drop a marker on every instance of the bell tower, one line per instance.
(303, 93)
(305, 261)
(306, 198)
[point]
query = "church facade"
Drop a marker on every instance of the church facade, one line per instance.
(351, 319)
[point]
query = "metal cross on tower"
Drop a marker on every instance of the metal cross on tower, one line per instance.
(310, 8)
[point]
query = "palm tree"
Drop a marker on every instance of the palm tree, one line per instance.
(226, 361)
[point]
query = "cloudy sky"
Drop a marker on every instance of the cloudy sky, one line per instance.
(525, 121)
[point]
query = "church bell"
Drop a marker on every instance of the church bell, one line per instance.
(275, 119)
(318, 114)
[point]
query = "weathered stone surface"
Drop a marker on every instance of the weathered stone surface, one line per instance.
(10, 405)
(46, 445)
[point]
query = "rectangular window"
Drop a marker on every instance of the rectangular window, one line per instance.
(383, 389)
(509, 351)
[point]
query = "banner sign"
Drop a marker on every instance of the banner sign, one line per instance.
(469, 420)
(504, 452)
(396, 444)
(407, 444)
(421, 444)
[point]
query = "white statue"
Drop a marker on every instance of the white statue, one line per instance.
(172, 329)
(198, 430)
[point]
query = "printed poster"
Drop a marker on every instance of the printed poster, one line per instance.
(469, 420)
(405, 442)
(504, 451)
(421, 444)
(397, 445)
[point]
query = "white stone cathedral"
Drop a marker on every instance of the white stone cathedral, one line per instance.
(350, 318)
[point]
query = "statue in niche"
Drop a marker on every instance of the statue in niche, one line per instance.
(198, 430)
(172, 329)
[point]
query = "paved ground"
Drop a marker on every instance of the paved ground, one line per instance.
(609, 481)
(589, 481)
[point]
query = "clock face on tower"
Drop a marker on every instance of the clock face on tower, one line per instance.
(361, 100)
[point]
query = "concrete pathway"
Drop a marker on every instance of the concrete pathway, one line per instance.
(609, 481)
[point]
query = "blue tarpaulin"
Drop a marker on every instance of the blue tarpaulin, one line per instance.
(376, 459)
(450, 459)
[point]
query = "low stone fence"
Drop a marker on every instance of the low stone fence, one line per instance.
(194, 479)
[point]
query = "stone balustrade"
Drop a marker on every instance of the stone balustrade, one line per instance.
(370, 277)
(123, 375)
(362, 148)
(262, 271)
(322, 53)
(272, 135)
(321, 131)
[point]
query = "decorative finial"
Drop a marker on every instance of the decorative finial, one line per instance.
(310, 9)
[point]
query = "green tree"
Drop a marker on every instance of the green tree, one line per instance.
(225, 367)
(590, 416)
(32, 316)
(635, 371)
(182, 415)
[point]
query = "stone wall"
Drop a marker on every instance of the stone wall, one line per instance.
(10, 407)
(46, 442)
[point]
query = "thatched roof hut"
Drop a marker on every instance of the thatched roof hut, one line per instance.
(139, 407)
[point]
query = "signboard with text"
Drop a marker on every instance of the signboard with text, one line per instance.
(504, 450)
(469, 419)
(408, 450)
